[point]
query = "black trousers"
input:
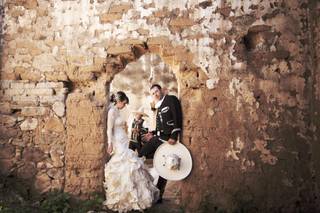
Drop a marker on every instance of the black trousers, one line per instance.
(148, 150)
(135, 146)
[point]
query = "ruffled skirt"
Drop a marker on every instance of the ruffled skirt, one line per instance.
(128, 184)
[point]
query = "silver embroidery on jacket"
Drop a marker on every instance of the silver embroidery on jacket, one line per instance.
(170, 123)
(165, 109)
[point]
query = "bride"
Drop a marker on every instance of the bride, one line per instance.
(128, 185)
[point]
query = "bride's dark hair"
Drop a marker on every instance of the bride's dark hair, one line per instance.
(119, 96)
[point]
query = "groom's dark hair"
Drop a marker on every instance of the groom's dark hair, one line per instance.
(155, 85)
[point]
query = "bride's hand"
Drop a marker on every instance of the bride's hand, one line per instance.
(110, 149)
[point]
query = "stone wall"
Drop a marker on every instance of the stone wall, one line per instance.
(247, 78)
(314, 85)
(33, 132)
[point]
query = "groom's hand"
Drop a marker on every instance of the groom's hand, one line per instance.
(147, 137)
(172, 141)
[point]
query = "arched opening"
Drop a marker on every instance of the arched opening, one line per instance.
(86, 152)
(135, 80)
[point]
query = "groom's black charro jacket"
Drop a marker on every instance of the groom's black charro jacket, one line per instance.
(169, 118)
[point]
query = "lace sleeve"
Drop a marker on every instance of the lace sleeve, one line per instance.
(110, 124)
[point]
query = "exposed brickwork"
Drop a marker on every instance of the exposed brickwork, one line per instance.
(248, 83)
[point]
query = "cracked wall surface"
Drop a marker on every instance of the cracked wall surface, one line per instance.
(248, 79)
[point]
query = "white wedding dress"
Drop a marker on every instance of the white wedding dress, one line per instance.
(128, 184)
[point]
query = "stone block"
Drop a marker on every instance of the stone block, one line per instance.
(30, 75)
(18, 142)
(99, 61)
(25, 44)
(42, 183)
(57, 158)
(61, 91)
(158, 40)
(49, 59)
(5, 108)
(143, 31)
(27, 171)
(31, 4)
(170, 60)
(57, 184)
(18, 85)
(56, 76)
(47, 85)
(8, 132)
(39, 91)
(8, 120)
(156, 49)
(41, 165)
(16, 12)
(26, 100)
(5, 84)
(121, 8)
(212, 83)
(182, 22)
(161, 13)
(132, 41)
(56, 173)
(34, 111)
(7, 151)
(52, 99)
(54, 125)
(117, 50)
(42, 12)
(54, 43)
(110, 17)
(19, 69)
(4, 97)
(29, 124)
(77, 60)
(32, 154)
(12, 92)
(187, 56)
(35, 51)
(8, 75)
(90, 68)
(59, 108)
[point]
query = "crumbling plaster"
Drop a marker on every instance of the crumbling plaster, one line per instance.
(243, 70)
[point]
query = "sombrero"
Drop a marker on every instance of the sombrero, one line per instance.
(141, 113)
(172, 162)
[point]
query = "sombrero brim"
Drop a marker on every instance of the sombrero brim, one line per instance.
(166, 149)
(141, 113)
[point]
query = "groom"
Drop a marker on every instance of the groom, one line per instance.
(168, 127)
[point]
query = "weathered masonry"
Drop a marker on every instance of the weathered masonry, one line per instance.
(249, 83)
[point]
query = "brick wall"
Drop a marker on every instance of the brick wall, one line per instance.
(33, 132)
(243, 70)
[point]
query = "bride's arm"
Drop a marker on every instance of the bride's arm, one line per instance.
(110, 124)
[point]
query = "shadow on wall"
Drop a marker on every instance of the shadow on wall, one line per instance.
(136, 79)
